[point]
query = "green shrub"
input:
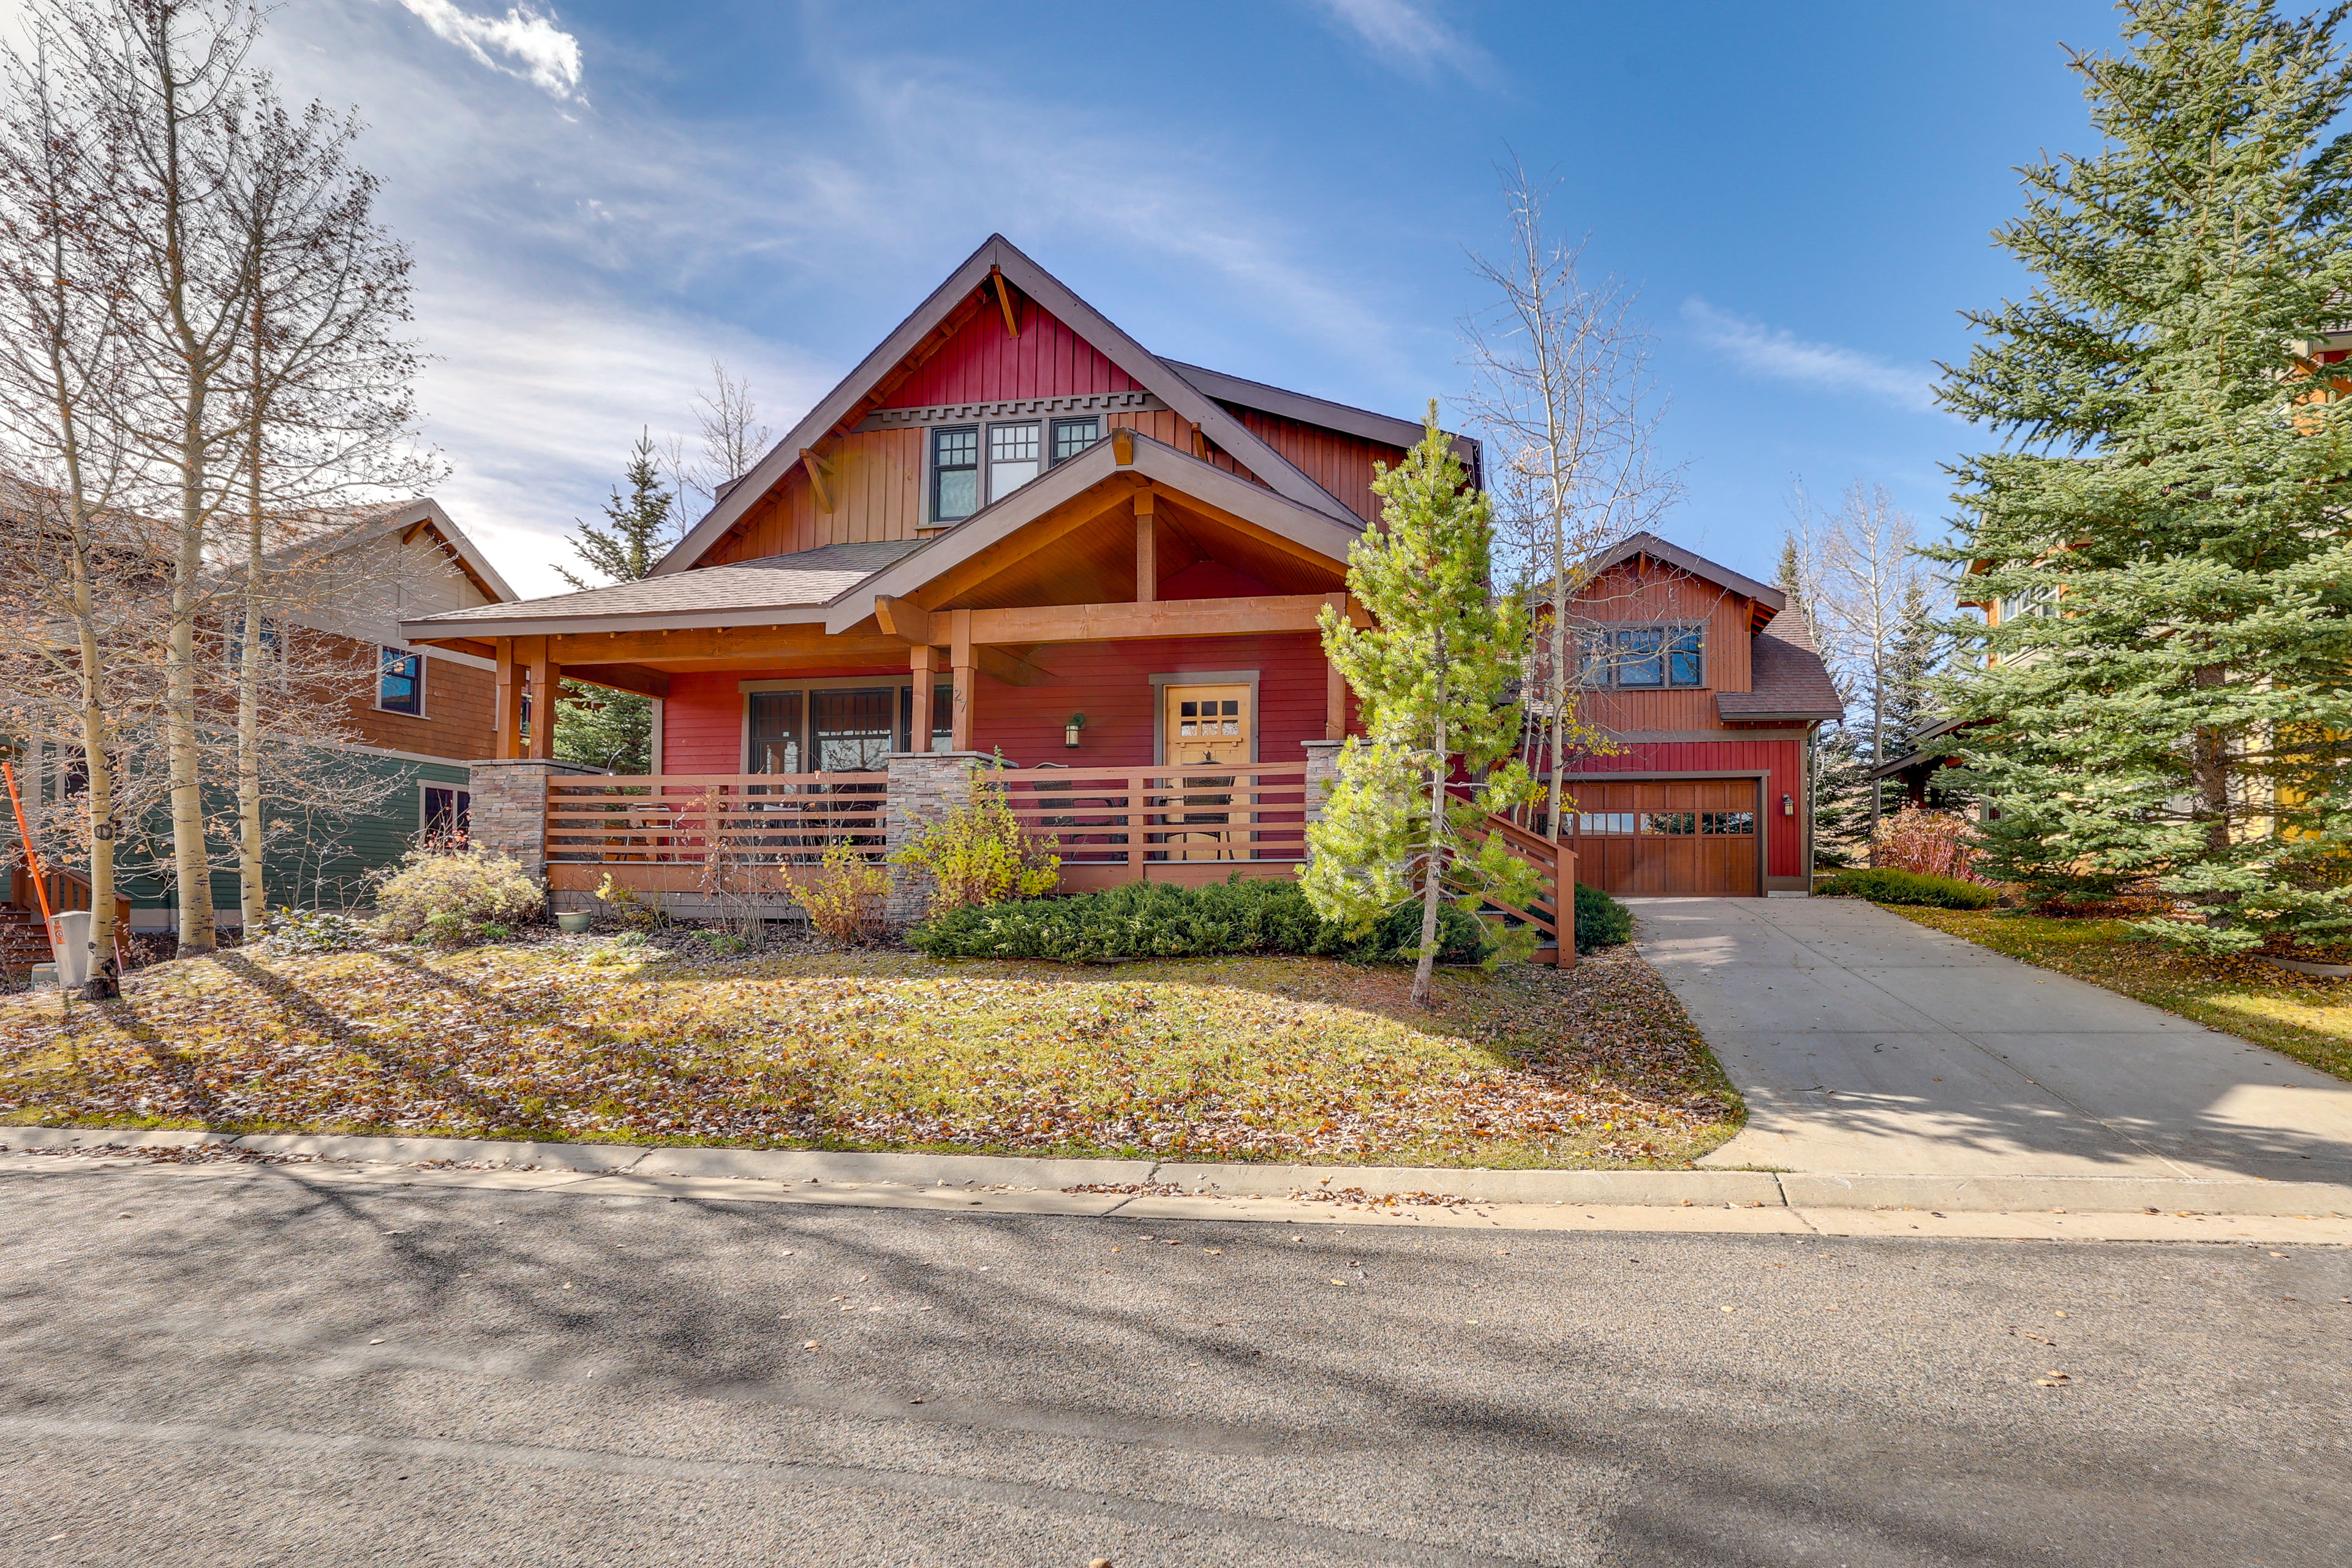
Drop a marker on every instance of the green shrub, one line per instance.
(1160, 919)
(294, 932)
(1601, 920)
(1884, 885)
(452, 898)
(979, 854)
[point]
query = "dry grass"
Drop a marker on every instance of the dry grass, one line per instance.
(2306, 1018)
(1285, 1058)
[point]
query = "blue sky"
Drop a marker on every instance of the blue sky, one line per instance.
(603, 197)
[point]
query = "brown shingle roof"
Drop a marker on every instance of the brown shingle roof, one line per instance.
(808, 577)
(1788, 680)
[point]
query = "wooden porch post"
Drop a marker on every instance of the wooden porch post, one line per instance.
(1146, 549)
(545, 673)
(960, 654)
(507, 743)
(1335, 685)
(922, 661)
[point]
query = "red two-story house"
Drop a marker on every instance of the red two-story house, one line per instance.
(1011, 533)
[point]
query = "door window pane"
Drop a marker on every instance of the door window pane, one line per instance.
(852, 731)
(1011, 459)
(776, 732)
(1072, 436)
(955, 473)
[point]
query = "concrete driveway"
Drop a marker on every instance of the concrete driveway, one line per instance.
(1865, 1043)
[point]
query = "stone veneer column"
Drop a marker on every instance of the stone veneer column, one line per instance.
(1322, 773)
(924, 787)
(508, 815)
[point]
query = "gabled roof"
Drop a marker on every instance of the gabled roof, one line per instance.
(1180, 471)
(715, 596)
(344, 531)
(1699, 566)
(1000, 255)
(1788, 680)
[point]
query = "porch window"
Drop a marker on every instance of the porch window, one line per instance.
(1645, 659)
(853, 732)
(955, 473)
(400, 681)
(776, 732)
(1011, 459)
(1072, 436)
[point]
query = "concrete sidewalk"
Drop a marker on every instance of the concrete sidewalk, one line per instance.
(1865, 1042)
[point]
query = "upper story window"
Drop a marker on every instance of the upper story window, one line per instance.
(2041, 600)
(400, 681)
(1012, 458)
(1072, 436)
(1646, 658)
(955, 473)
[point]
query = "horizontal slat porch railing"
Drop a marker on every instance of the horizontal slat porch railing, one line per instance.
(1553, 910)
(684, 819)
(1131, 823)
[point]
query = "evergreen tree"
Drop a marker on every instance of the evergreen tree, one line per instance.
(1433, 676)
(2168, 696)
(1836, 758)
(594, 724)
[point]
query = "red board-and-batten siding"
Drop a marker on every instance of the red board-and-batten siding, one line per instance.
(1782, 762)
(702, 721)
(877, 475)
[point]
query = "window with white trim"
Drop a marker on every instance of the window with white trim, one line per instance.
(400, 681)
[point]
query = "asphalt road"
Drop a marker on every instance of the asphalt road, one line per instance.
(244, 1367)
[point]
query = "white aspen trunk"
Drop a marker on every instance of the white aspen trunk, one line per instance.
(253, 892)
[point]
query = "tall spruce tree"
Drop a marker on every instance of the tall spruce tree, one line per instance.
(2172, 488)
(594, 724)
(1432, 677)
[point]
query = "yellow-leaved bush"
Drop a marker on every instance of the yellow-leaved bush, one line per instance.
(454, 897)
(978, 854)
(847, 896)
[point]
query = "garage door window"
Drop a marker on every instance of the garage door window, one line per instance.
(1671, 823)
(1727, 824)
(1606, 822)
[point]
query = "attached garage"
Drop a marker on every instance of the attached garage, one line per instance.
(1698, 838)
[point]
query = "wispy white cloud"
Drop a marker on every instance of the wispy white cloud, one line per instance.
(1779, 354)
(525, 43)
(1409, 38)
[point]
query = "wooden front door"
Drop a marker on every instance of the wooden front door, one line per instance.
(1677, 836)
(1205, 725)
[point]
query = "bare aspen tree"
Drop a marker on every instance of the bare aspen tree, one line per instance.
(64, 352)
(167, 73)
(731, 439)
(328, 419)
(1562, 388)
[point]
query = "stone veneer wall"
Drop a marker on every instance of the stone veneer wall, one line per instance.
(508, 813)
(1322, 773)
(924, 787)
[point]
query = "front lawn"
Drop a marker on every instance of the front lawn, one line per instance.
(1269, 1058)
(2306, 1018)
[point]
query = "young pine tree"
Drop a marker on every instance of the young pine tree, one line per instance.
(594, 724)
(2171, 488)
(1433, 676)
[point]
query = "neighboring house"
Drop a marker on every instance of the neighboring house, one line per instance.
(1011, 533)
(419, 717)
(1708, 691)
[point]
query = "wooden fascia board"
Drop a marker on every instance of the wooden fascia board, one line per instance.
(709, 646)
(1322, 413)
(470, 557)
(1300, 528)
(1682, 560)
(478, 648)
(592, 626)
(1043, 624)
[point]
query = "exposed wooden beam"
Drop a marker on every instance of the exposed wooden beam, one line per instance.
(1107, 623)
(1122, 447)
(1146, 549)
(1005, 302)
(1335, 685)
(480, 647)
(1010, 669)
(1081, 510)
(716, 646)
(508, 742)
(819, 473)
(901, 617)
(634, 677)
(544, 675)
(408, 536)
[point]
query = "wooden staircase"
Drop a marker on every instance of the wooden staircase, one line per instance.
(1553, 910)
(24, 938)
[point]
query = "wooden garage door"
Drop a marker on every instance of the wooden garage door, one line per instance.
(1695, 837)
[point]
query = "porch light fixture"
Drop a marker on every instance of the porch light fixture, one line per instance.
(1070, 730)
(1788, 805)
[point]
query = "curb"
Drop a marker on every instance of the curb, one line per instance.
(1627, 1189)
